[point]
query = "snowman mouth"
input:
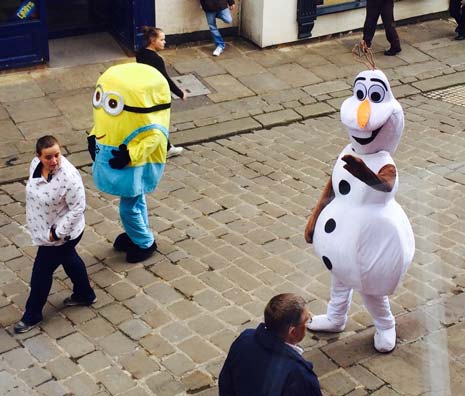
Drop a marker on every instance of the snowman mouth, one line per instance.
(364, 141)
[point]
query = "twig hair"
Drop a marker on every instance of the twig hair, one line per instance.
(363, 54)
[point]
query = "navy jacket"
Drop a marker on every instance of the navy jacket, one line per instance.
(261, 364)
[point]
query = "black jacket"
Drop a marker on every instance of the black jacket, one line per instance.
(260, 364)
(151, 58)
(215, 5)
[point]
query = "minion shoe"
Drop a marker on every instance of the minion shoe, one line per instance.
(122, 243)
(135, 254)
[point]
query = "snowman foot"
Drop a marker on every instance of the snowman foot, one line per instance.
(385, 340)
(323, 323)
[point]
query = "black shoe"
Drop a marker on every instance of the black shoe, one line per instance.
(72, 302)
(460, 37)
(392, 51)
(22, 327)
(122, 243)
(136, 254)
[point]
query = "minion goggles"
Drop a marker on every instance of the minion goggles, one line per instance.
(113, 103)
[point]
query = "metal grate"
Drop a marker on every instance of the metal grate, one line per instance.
(191, 85)
(454, 95)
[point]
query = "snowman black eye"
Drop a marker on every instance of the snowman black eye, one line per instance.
(376, 93)
(360, 91)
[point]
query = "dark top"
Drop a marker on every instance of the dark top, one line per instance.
(151, 58)
(261, 364)
(215, 5)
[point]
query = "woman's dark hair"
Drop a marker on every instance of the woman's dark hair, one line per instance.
(45, 142)
(150, 32)
(283, 311)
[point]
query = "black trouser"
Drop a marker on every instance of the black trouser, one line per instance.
(48, 259)
(458, 13)
(385, 8)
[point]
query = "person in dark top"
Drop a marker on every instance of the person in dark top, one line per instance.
(155, 39)
(266, 361)
(385, 8)
(217, 9)
(457, 11)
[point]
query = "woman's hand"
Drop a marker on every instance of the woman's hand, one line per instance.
(184, 95)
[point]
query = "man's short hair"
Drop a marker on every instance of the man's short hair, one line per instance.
(283, 311)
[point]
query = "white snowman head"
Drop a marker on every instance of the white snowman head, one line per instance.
(373, 117)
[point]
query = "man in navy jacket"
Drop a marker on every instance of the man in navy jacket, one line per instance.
(266, 361)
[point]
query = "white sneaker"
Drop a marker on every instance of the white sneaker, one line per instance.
(385, 340)
(174, 151)
(323, 323)
(218, 51)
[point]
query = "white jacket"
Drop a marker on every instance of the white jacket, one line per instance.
(59, 203)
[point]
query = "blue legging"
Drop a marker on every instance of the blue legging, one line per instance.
(135, 219)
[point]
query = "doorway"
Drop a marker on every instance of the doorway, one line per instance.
(75, 17)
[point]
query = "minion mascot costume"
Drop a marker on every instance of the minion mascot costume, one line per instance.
(128, 146)
(359, 231)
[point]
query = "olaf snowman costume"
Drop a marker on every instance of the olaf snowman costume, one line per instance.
(357, 228)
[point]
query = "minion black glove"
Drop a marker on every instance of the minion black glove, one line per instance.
(91, 146)
(120, 157)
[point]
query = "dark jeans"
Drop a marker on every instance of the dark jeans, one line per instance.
(48, 259)
(458, 13)
(385, 8)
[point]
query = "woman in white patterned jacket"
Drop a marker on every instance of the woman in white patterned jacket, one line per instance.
(55, 204)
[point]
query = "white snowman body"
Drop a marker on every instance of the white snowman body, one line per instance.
(363, 235)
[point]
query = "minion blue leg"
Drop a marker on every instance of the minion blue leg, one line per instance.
(135, 219)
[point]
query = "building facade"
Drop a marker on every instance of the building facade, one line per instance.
(27, 25)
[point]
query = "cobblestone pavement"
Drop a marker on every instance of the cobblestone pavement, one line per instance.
(230, 216)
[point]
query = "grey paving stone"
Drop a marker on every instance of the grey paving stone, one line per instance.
(76, 345)
(184, 309)
(164, 384)
(117, 344)
(115, 313)
(196, 381)
(81, 385)
(115, 380)
(139, 364)
(440, 82)
(156, 318)
(18, 358)
(198, 350)
(35, 376)
(42, 348)
(135, 328)
(227, 88)
(57, 327)
(338, 383)
(206, 133)
(264, 83)
(96, 328)
(178, 364)
(62, 368)
(94, 361)
(9, 315)
(281, 117)
(52, 388)
(157, 345)
(122, 291)
(32, 109)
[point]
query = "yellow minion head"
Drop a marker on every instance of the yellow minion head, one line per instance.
(128, 98)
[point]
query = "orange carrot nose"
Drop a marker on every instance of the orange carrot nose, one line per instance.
(363, 113)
